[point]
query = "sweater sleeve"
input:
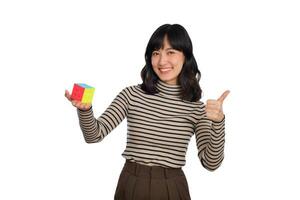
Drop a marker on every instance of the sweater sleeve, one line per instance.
(94, 130)
(210, 140)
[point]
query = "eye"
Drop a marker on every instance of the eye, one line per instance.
(155, 53)
(171, 52)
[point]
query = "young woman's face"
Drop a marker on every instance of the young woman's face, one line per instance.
(167, 63)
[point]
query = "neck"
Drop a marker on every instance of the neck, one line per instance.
(168, 89)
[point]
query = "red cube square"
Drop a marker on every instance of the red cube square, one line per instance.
(77, 92)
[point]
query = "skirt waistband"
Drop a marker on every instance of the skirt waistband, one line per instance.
(157, 172)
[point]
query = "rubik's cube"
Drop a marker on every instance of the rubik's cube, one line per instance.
(82, 92)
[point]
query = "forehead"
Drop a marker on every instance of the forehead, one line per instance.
(165, 44)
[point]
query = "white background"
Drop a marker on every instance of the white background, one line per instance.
(251, 48)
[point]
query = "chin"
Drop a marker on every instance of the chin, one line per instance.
(167, 79)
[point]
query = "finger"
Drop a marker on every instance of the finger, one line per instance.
(75, 103)
(214, 107)
(223, 96)
(85, 106)
(211, 102)
(81, 106)
(214, 104)
(67, 95)
(88, 105)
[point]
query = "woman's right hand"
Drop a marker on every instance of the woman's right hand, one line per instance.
(77, 104)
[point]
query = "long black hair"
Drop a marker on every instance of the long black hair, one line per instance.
(189, 76)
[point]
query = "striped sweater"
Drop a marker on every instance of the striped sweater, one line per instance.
(159, 127)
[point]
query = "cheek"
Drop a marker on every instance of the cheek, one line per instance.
(178, 64)
(178, 61)
(154, 62)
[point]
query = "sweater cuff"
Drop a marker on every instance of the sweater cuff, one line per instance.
(217, 126)
(85, 112)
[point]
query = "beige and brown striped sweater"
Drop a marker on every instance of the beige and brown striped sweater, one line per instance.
(159, 127)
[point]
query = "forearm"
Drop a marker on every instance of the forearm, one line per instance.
(89, 126)
(213, 154)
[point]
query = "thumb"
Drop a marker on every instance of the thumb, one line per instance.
(68, 95)
(223, 96)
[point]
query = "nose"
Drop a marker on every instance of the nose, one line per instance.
(162, 59)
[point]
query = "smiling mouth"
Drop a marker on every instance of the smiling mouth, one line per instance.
(164, 70)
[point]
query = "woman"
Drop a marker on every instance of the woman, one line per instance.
(162, 115)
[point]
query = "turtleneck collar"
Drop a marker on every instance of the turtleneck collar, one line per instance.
(168, 89)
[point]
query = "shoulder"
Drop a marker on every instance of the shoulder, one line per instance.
(198, 109)
(197, 104)
(201, 105)
(135, 88)
(132, 89)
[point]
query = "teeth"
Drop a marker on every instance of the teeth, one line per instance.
(166, 69)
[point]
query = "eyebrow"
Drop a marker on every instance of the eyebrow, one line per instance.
(170, 48)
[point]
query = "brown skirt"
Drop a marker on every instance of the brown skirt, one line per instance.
(141, 182)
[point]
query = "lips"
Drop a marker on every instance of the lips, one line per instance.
(164, 70)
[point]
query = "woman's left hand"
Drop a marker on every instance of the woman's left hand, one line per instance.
(214, 109)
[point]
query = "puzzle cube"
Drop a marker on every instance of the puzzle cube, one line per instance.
(82, 92)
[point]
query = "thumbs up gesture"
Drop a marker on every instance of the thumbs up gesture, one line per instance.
(214, 108)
